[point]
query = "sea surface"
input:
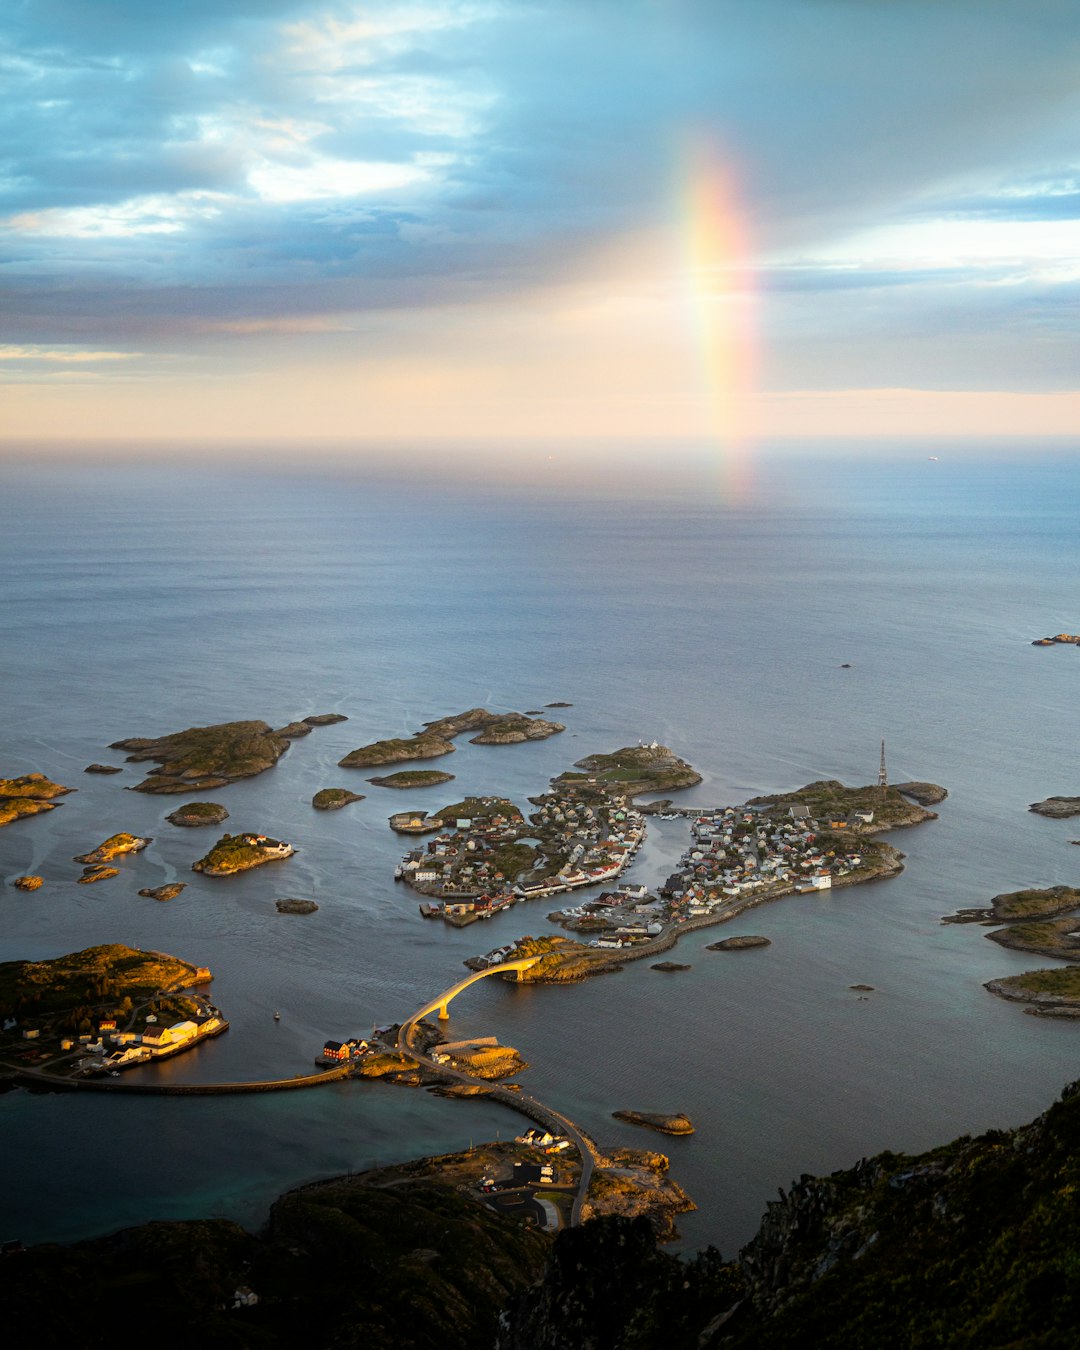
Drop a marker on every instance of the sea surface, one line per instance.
(140, 600)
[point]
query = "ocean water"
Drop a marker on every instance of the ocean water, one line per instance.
(138, 601)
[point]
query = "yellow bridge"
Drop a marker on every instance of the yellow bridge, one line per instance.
(443, 999)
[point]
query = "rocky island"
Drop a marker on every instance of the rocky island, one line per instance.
(205, 757)
(194, 814)
(295, 906)
(396, 751)
(116, 846)
(675, 1124)
(1057, 808)
(103, 768)
(98, 873)
(413, 778)
(516, 728)
(1026, 904)
(240, 852)
(862, 810)
(334, 798)
(28, 796)
(169, 892)
(1048, 993)
(631, 771)
(104, 990)
(28, 883)
(436, 738)
(739, 944)
(1066, 639)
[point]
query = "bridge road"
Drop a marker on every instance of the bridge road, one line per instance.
(525, 1105)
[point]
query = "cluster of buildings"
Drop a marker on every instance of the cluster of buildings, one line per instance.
(114, 1049)
(737, 851)
(625, 917)
(346, 1052)
(577, 843)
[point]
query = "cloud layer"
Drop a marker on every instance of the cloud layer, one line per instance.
(200, 188)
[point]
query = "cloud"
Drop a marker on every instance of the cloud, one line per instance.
(274, 169)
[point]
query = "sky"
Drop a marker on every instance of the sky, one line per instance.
(395, 222)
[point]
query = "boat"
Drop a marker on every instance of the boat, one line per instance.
(277, 1016)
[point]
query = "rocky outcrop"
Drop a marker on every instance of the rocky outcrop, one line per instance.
(296, 906)
(396, 751)
(103, 768)
(294, 730)
(324, 719)
(1054, 990)
(1021, 905)
(1057, 808)
(198, 813)
(28, 883)
(333, 799)
(637, 1185)
(738, 944)
(668, 966)
(169, 892)
(413, 778)
(515, 729)
(1068, 639)
(29, 795)
(99, 873)
(206, 757)
(116, 846)
(1051, 937)
(926, 794)
(673, 1124)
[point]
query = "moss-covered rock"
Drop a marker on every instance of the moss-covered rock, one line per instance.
(395, 750)
(116, 846)
(194, 814)
(413, 778)
(29, 795)
(334, 798)
(206, 757)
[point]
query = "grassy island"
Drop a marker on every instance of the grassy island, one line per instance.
(198, 813)
(29, 795)
(829, 801)
(436, 739)
(1051, 937)
(206, 757)
(333, 799)
(413, 778)
(1027, 904)
(45, 991)
(395, 750)
(630, 772)
(1054, 993)
(239, 852)
(516, 728)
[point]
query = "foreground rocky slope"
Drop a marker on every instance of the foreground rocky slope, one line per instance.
(972, 1244)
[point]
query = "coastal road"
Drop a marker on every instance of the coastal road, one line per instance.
(553, 1121)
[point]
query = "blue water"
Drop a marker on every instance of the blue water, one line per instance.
(137, 601)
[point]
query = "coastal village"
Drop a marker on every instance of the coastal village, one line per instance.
(492, 857)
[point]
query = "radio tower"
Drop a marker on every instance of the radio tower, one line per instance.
(882, 776)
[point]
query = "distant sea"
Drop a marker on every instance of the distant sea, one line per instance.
(138, 601)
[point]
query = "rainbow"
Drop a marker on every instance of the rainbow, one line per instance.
(719, 296)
